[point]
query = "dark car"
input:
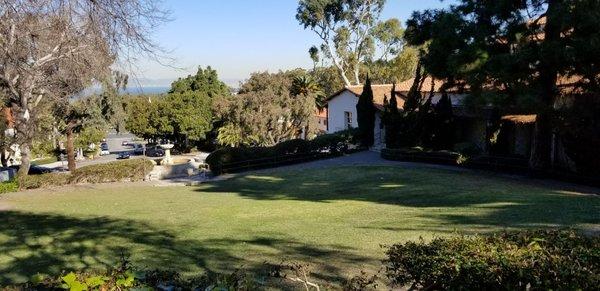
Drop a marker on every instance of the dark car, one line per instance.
(123, 156)
(138, 149)
(154, 151)
(35, 170)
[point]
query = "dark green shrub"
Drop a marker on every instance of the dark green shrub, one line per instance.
(336, 143)
(229, 155)
(127, 170)
(293, 146)
(332, 144)
(9, 186)
(559, 260)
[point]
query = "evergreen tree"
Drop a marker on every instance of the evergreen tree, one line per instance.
(392, 120)
(205, 81)
(365, 111)
(542, 42)
(443, 137)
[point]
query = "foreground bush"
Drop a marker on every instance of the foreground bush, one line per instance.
(128, 170)
(327, 144)
(527, 260)
(537, 260)
(44, 180)
(9, 186)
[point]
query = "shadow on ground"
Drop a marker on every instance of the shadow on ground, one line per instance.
(50, 244)
(451, 198)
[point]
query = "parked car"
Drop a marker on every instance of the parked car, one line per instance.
(35, 170)
(126, 143)
(138, 149)
(123, 156)
(104, 149)
(155, 151)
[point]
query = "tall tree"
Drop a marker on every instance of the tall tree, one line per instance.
(111, 100)
(443, 132)
(265, 112)
(189, 115)
(205, 81)
(392, 121)
(365, 111)
(45, 42)
(306, 85)
(351, 32)
(513, 54)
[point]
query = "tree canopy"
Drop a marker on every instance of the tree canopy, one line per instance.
(518, 55)
(53, 49)
(266, 111)
(351, 33)
(205, 81)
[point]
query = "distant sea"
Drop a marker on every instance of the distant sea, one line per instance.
(145, 90)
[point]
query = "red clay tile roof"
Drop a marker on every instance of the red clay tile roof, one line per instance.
(406, 85)
(385, 90)
(520, 119)
(379, 93)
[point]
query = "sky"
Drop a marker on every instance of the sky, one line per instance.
(239, 37)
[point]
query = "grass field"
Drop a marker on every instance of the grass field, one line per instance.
(334, 218)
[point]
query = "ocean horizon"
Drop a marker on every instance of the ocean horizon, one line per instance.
(150, 90)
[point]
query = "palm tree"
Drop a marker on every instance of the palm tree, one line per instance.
(306, 85)
(230, 135)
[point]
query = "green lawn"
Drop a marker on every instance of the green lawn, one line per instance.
(335, 218)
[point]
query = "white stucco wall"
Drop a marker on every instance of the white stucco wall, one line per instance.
(345, 102)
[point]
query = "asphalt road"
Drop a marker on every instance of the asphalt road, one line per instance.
(115, 147)
(115, 141)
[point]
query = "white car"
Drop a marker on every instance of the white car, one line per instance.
(104, 149)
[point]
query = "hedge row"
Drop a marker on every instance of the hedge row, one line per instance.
(223, 159)
(466, 158)
(127, 170)
(529, 260)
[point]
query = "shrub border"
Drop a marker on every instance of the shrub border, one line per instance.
(489, 163)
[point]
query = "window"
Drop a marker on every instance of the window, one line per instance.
(348, 119)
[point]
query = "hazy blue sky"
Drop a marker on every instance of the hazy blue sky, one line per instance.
(238, 37)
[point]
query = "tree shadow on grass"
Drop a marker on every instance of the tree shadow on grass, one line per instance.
(449, 198)
(50, 244)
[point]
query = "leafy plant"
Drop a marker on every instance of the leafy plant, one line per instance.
(9, 186)
(72, 283)
(545, 259)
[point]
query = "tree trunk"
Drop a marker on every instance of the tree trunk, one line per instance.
(24, 137)
(70, 150)
(357, 74)
(25, 159)
(4, 157)
(541, 155)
